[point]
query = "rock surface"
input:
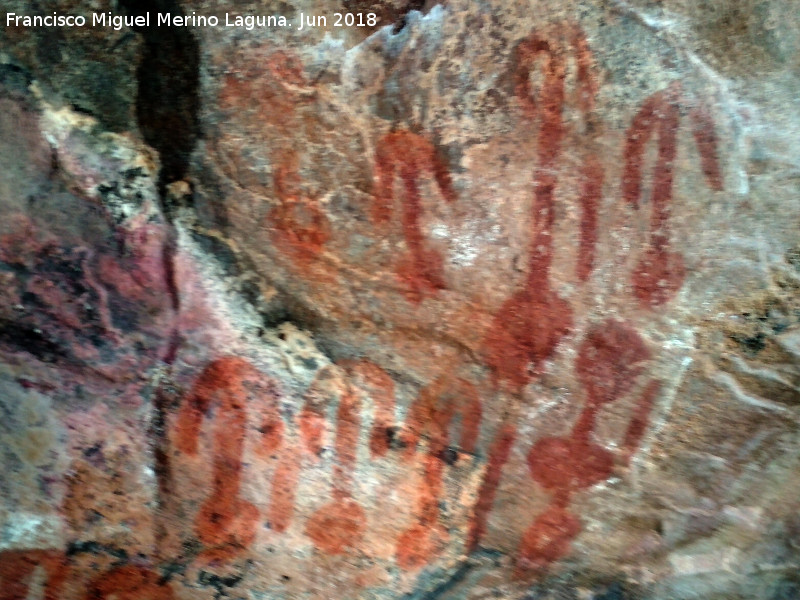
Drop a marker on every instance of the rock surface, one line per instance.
(480, 300)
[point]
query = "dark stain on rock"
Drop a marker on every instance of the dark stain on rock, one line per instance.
(18, 336)
(96, 548)
(793, 257)
(615, 591)
(218, 582)
(15, 80)
(449, 456)
(752, 344)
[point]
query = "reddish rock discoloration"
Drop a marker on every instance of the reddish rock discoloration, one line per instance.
(272, 88)
(299, 226)
(58, 577)
(129, 583)
(705, 136)
(17, 568)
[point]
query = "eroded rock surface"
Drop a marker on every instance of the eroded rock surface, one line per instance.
(485, 300)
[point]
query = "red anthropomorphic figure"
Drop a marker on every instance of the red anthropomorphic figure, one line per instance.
(226, 523)
(432, 416)
(409, 158)
(609, 361)
(660, 272)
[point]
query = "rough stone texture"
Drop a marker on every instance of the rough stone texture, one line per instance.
(489, 300)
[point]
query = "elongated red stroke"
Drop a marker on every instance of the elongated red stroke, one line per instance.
(299, 226)
(338, 526)
(410, 157)
(277, 447)
(499, 453)
(380, 387)
(705, 136)
(591, 195)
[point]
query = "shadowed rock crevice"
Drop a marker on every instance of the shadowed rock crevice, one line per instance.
(167, 104)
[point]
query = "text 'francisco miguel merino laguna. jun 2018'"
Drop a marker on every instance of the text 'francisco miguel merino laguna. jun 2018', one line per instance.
(249, 22)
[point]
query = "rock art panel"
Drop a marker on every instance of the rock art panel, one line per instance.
(432, 416)
(226, 522)
(419, 317)
(338, 526)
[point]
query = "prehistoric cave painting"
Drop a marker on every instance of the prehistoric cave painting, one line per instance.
(409, 157)
(591, 195)
(431, 416)
(298, 225)
(528, 327)
(271, 88)
(660, 272)
(499, 453)
(339, 525)
(53, 573)
(273, 100)
(380, 388)
(277, 447)
(225, 524)
(18, 569)
(609, 362)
